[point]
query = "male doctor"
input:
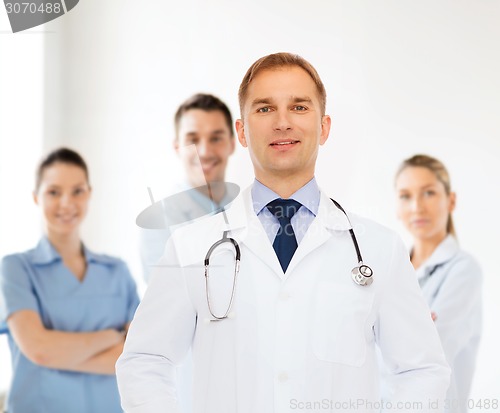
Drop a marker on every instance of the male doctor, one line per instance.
(204, 141)
(300, 334)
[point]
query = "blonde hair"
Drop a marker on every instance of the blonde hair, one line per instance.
(277, 61)
(439, 170)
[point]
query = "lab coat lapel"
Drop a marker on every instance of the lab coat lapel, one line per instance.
(255, 238)
(329, 220)
(193, 241)
(246, 227)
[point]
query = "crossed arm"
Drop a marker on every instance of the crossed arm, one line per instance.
(91, 352)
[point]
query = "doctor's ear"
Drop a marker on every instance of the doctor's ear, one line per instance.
(35, 197)
(240, 130)
(452, 201)
(326, 123)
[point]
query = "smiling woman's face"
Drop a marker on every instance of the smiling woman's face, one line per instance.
(63, 196)
(423, 204)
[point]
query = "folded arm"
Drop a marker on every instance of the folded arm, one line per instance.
(63, 350)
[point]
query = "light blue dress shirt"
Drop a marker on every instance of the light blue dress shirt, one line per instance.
(308, 196)
(38, 280)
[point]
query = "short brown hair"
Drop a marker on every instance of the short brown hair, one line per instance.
(276, 61)
(207, 103)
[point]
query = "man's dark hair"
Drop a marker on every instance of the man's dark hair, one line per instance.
(208, 103)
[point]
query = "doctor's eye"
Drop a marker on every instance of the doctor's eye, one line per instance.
(429, 193)
(79, 191)
(299, 108)
(265, 109)
(404, 197)
(53, 192)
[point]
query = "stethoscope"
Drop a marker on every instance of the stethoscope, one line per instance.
(362, 275)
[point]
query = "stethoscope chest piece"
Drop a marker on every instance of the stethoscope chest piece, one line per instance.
(362, 275)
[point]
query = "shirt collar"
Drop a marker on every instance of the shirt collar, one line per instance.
(208, 204)
(45, 253)
(308, 196)
(97, 258)
(444, 252)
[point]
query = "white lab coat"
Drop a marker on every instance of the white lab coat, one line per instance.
(300, 341)
(454, 292)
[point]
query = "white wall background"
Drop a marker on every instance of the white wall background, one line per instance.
(402, 77)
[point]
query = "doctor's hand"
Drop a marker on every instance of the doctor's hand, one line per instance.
(433, 316)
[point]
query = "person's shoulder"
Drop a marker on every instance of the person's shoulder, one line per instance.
(344, 219)
(192, 241)
(111, 266)
(17, 258)
(378, 240)
(104, 259)
(17, 266)
(465, 263)
(371, 227)
(362, 226)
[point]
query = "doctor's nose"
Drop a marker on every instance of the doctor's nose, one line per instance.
(282, 121)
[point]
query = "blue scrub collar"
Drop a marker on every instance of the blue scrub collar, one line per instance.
(45, 253)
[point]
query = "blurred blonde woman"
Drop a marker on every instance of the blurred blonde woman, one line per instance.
(67, 308)
(449, 277)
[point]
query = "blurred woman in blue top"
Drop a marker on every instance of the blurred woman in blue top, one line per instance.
(67, 308)
(450, 278)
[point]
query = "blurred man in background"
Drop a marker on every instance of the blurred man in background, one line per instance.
(204, 140)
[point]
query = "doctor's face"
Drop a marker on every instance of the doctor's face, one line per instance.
(63, 197)
(282, 125)
(423, 204)
(204, 144)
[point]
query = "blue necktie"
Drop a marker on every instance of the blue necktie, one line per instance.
(285, 242)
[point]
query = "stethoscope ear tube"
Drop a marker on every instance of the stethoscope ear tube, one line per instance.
(224, 239)
(237, 252)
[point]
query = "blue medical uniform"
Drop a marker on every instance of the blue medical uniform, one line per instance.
(107, 298)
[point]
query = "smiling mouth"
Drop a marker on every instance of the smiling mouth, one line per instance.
(419, 222)
(208, 166)
(66, 218)
(284, 143)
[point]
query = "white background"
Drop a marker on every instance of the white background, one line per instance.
(402, 77)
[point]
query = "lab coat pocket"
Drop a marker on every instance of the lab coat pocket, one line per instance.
(339, 330)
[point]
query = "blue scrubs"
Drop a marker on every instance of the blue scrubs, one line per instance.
(106, 298)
